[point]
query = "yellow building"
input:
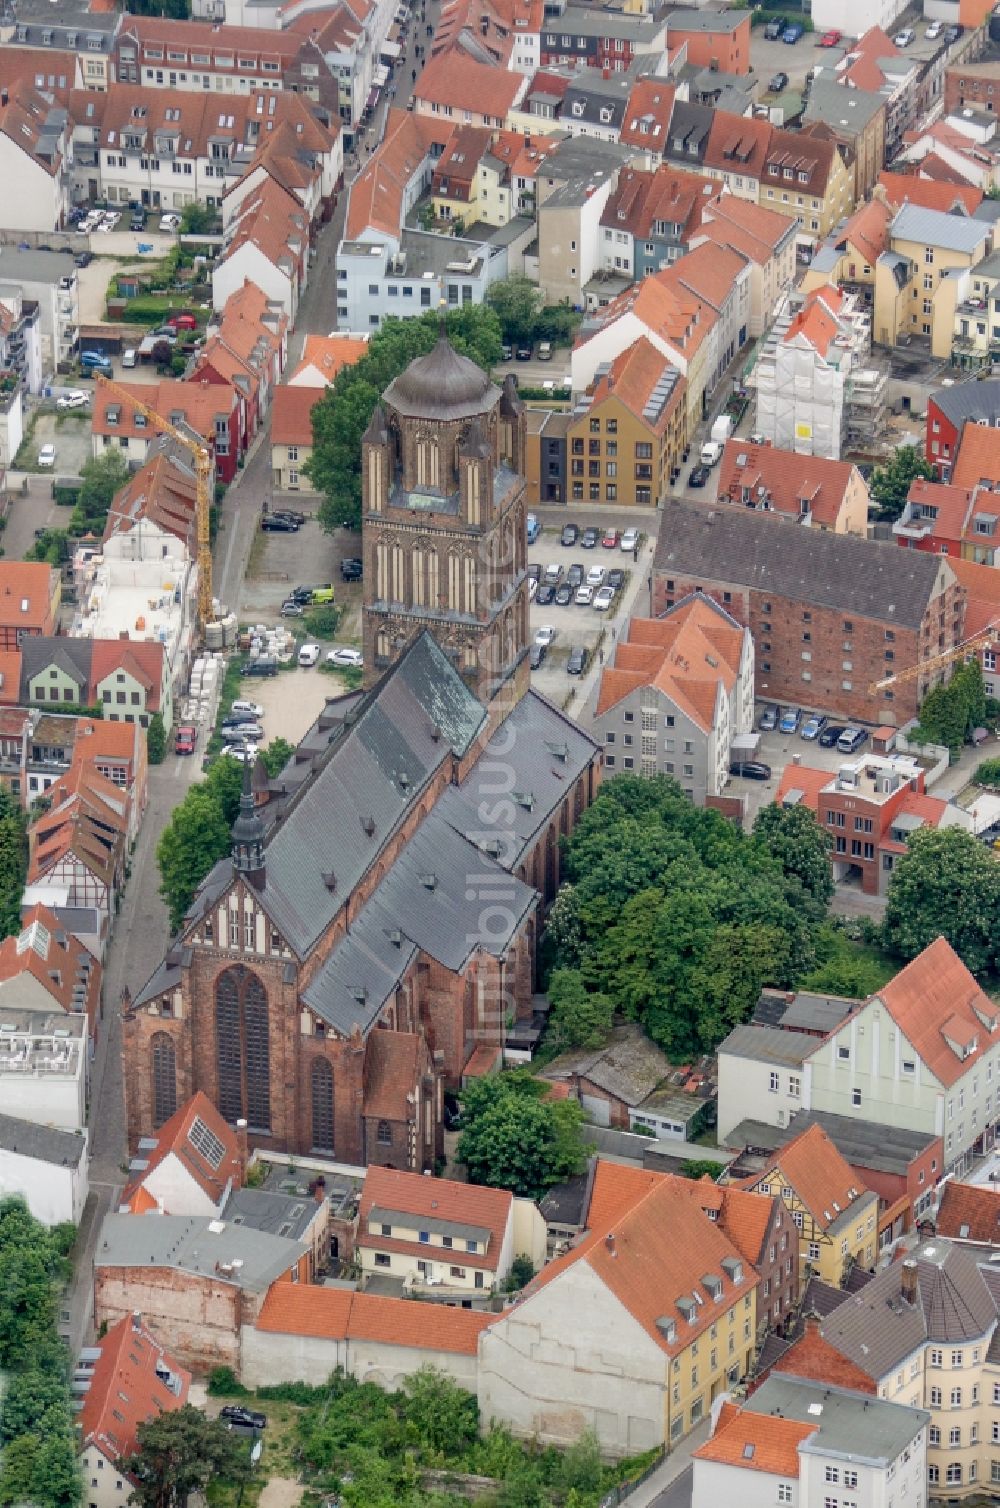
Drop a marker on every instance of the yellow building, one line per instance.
(836, 1216)
(622, 447)
(851, 256)
(919, 281)
(806, 177)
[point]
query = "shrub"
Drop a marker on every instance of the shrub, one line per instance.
(323, 620)
(988, 773)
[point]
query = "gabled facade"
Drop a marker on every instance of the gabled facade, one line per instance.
(191, 1165)
(811, 491)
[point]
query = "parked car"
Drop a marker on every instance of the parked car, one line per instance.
(545, 635)
(609, 539)
(553, 572)
(545, 595)
(564, 594)
(934, 30)
(534, 527)
(812, 728)
(790, 720)
(323, 593)
(73, 400)
(298, 519)
(537, 655)
(750, 769)
(791, 34)
(774, 28)
(851, 739)
(534, 572)
(523, 353)
(829, 39)
(137, 220)
(577, 662)
(165, 332)
(584, 596)
(905, 37)
(507, 354)
(699, 476)
(243, 753)
(545, 350)
(589, 539)
(768, 719)
(308, 654)
(351, 570)
(130, 357)
(603, 598)
(170, 222)
(829, 735)
(630, 541)
(83, 258)
(241, 733)
(303, 594)
(263, 665)
(47, 456)
(182, 321)
(250, 709)
(615, 579)
(570, 534)
(345, 658)
(274, 523)
(185, 739)
(574, 576)
(952, 34)
(95, 361)
(235, 1413)
(595, 576)
(779, 82)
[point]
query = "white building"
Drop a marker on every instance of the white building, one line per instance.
(44, 1068)
(33, 161)
(47, 1167)
(48, 280)
(406, 277)
(803, 1443)
(267, 243)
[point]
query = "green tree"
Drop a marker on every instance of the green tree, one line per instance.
(579, 1017)
(701, 1167)
(890, 484)
(33, 1398)
(945, 885)
(102, 477)
(949, 714)
(792, 835)
(195, 838)
(276, 755)
(13, 863)
(341, 418)
(514, 1139)
(198, 219)
(442, 1417)
(517, 302)
(178, 1454)
(52, 547)
(156, 739)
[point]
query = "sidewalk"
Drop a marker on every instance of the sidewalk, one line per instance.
(673, 1467)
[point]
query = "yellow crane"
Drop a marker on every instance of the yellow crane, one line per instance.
(960, 652)
(203, 489)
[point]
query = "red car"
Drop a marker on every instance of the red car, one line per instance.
(829, 39)
(610, 539)
(182, 322)
(185, 739)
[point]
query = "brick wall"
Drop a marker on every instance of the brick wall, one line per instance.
(977, 84)
(196, 1319)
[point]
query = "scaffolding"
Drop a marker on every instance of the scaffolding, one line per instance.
(865, 411)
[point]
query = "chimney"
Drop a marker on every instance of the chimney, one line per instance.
(609, 1242)
(4, 96)
(908, 1281)
(605, 72)
(241, 1143)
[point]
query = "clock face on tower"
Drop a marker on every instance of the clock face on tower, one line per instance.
(443, 520)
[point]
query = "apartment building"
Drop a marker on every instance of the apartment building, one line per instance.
(854, 119)
(210, 409)
(808, 490)
(292, 436)
(677, 693)
(942, 518)
(625, 438)
(576, 182)
(765, 239)
(90, 35)
(34, 159)
(651, 218)
(850, 254)
(716, 39)
(918, 287)
(600, 39)
(806, 178)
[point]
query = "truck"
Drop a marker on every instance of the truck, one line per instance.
(711, 452)
(722, 428)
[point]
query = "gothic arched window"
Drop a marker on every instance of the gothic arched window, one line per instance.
(243, 1048)
(164, 1079)
(322, 1105)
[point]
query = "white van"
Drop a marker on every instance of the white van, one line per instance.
(309, 654)
(130, 357)
(545, 350)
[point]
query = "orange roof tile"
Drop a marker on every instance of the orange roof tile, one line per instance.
(802, 777)
(666, 307)
(10, 677)
(439, 1199)
(788, 478)
(978, 460)
(863, 71)
(339, 1314)
(182, 1136)
(377, 194)
(164, 492)
(813, 1357)
(868, 230)
(935, 992)
(141, 660)
(325, 355)
(969, 1212)
(125, 1389)
(811, 1165)
(710, 271)
(982, 586)
(26, 592)
(632, 377)
(689, 654)
(756, 1442)
(647, 114)
(737, 142)
(453, 79)
(816, 321)
(291, 411)
(196, 404)
(758, 233)
(908, 188)
(56, 960)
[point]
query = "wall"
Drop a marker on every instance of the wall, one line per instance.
(269, 1357)
(52, 1100)
(727, 50)
(745, 1093)
(173, 1186)
(54, 1193)
(196, 1319)
(714, 1484)
(692, 768)
(104, 1486)
(33, 198)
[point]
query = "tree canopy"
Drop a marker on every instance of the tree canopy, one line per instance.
(792, 835)
(678, 917)
(102, 477)
(513, 1138)
(946, 884)
(178, 1454)
(13, 863)
(340, 419)
(949, 714)
(890, 483)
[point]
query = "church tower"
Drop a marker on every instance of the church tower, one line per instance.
(444, 525)
(248, 835)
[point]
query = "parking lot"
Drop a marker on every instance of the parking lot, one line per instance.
(768, 57)
(279, 562)
(778, 750)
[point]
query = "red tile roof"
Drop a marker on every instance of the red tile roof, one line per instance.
(868, 231)
(755, 1442)
(982, 586)
(56, 960)
(392, 1063)
(788, 479)
(823, 1180)
(647, 114)
(813, 1357)
(125, 1389)
(632, 378)
(802, 777)
(10, 677)
(291, 410)
(137, 658)
(641, 198)
(737, 144)
(163, 491)
(183, 1136)
(434, 1199)
(377, 194)
(758, 233)
(978, 461)
(969, 1213)
(933, 995)
(339, 1314)
(459, 82)
(688, 655)
(863, 71)
(907, 188)
(196, 404)
(326, 355)
(26, 592)
(816, 321)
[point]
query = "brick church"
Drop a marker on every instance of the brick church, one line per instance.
(373, 934)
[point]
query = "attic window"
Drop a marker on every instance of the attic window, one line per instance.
(25, 604)
(748, 1450)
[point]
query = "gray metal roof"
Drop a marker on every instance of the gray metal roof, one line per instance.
(190, 1245)
(768, 1044)
(745, 547)
(42, 1143)
(584, 22)
(848, 1424)
(843, 109)
(888, 1149)
(168, 974)
(934, 227)
(969, 400)
(280, 1214)
(877, 1328)
(706, 20)
(816, 1013)
(407, 1220)
(38, 653)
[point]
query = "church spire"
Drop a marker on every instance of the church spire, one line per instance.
(248, 834)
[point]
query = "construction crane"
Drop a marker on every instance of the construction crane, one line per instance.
(203, 489)
(960, 652)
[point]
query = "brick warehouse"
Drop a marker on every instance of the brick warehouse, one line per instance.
(376, 926)
(830, 614)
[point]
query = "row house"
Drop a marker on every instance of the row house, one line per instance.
(949, 411)
(824, 609)
(945, 519)
(504, 32)
(211, 410)
(35, 153)
(292, 437)
(77, 852)
(849, 255)
(189, 1165)
(577, 179)
(159, 501)
(809, 490)
(38, 746)
(52, 72)
(245, 346)
(305, 159)
(88, 35)
(30, 594)
(874, 63)
(266, 243)
(350, 35)
(919, 283)
(45, 973)
(626, 436)
(601, 39)
(855, 119)
(764, 238)
(651, 218)
(467, 92)
(489, 175)
(129, 679)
